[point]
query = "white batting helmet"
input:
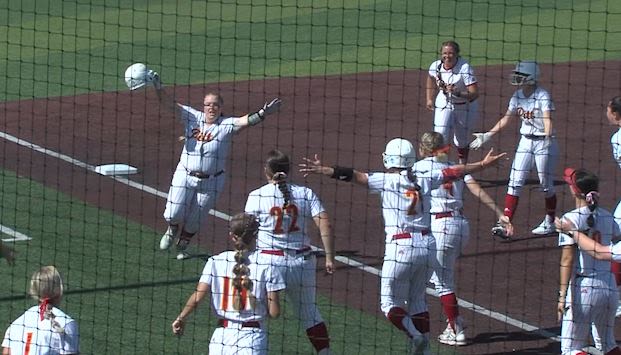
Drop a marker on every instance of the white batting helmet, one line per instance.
(136, 76)
(399, 153)
(525, 72)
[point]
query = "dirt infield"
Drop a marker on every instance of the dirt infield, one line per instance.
(346, 120)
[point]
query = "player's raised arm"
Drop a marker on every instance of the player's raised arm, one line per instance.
(253, 119)
(481, 138)
(457, 171)
(313, 166)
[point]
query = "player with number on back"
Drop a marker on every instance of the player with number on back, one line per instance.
(244, 293)
(452, 83)
(533, 105)
(587, 294)
(44, 328)
(409, 256)
(199, 176)
(283, 210)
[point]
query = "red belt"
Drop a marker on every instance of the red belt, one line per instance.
(252, 324)
(446, 214)
(281, 252)
(408, 235)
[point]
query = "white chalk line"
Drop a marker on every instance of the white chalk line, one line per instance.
(15, 235)
(345, 260)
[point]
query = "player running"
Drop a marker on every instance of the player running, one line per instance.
(533, 105)
(408, 257)
(44, 328)
(283, 210)
(588, 294)
(199, 176)
(244, 293)
(449, 227)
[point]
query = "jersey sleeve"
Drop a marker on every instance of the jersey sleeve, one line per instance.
(375, 182)
(208, 272)
(188, 114)
(513, 103)
(615, 250)
(468, 75)
(228, 125)
(615, 143)
(252, 204)
(5, 341)
(316, 207)
(276, 281)
(71, 339)
(433, 69)
(546, 103)
(565, 239)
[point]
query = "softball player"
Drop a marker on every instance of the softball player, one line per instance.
(44, 328)
(533, 105)
(409, 259)
(244, 292)
(452, 83)
(588, 293)
(283, 210)
(613, 114)
(199, 176)
(449, 227)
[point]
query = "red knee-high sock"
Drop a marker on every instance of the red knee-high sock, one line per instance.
(616, 270)
(421, 322)
(318, 336)
(511, 202)
(462, 154)
(396, 316)
(449, 305)
(551, 206)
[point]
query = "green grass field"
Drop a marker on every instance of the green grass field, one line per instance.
(124, 291)
(52, 48)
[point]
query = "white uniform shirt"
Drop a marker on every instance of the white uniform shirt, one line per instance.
(604, 230)
(30, 332)
(218, 273)
(530, 110)
(283, 229)
(206, 147)
(615, 142)
(461, 75)
(615, 250)
(449, 196)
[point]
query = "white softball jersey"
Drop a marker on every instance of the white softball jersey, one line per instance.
(605, 230)
(218, 273)
(615, 142)
(530, 110)
(449, 196)
(283, 227)
(207, 146)
(461, 75)
(30, 335)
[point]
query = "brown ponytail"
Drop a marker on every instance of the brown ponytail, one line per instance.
(278, 165)
(244, 227)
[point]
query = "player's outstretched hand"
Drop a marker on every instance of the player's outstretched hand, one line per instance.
(491, 159)
(271, 106)
(480, 139)
(312, 166)
(177, 326)
(506, 223)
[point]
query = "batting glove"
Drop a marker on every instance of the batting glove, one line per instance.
(270, 107)
(480, 139)
(154, 78)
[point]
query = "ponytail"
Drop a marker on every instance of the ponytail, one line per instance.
(244, 227)
(281, 181)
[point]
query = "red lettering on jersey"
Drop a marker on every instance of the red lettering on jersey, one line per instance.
(292, 211)
(202, 137)
(28, 342)
(414, 195)
(525, 115)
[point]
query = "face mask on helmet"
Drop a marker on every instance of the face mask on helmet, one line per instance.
(399, 153)
(525, 73)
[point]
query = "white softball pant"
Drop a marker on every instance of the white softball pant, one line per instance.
(239, 341)
(299, 272)
(451, 234)
(544, 154)
(190, 199)
(459, 119)
(408, 264)
(593, 303)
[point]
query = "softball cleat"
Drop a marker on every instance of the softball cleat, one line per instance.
(168, 237)
(546, 227)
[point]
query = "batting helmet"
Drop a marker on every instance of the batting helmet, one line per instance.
(525, 72)
(399, 153)
(136, 76)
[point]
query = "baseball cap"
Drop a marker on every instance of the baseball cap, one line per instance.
(569, 175)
